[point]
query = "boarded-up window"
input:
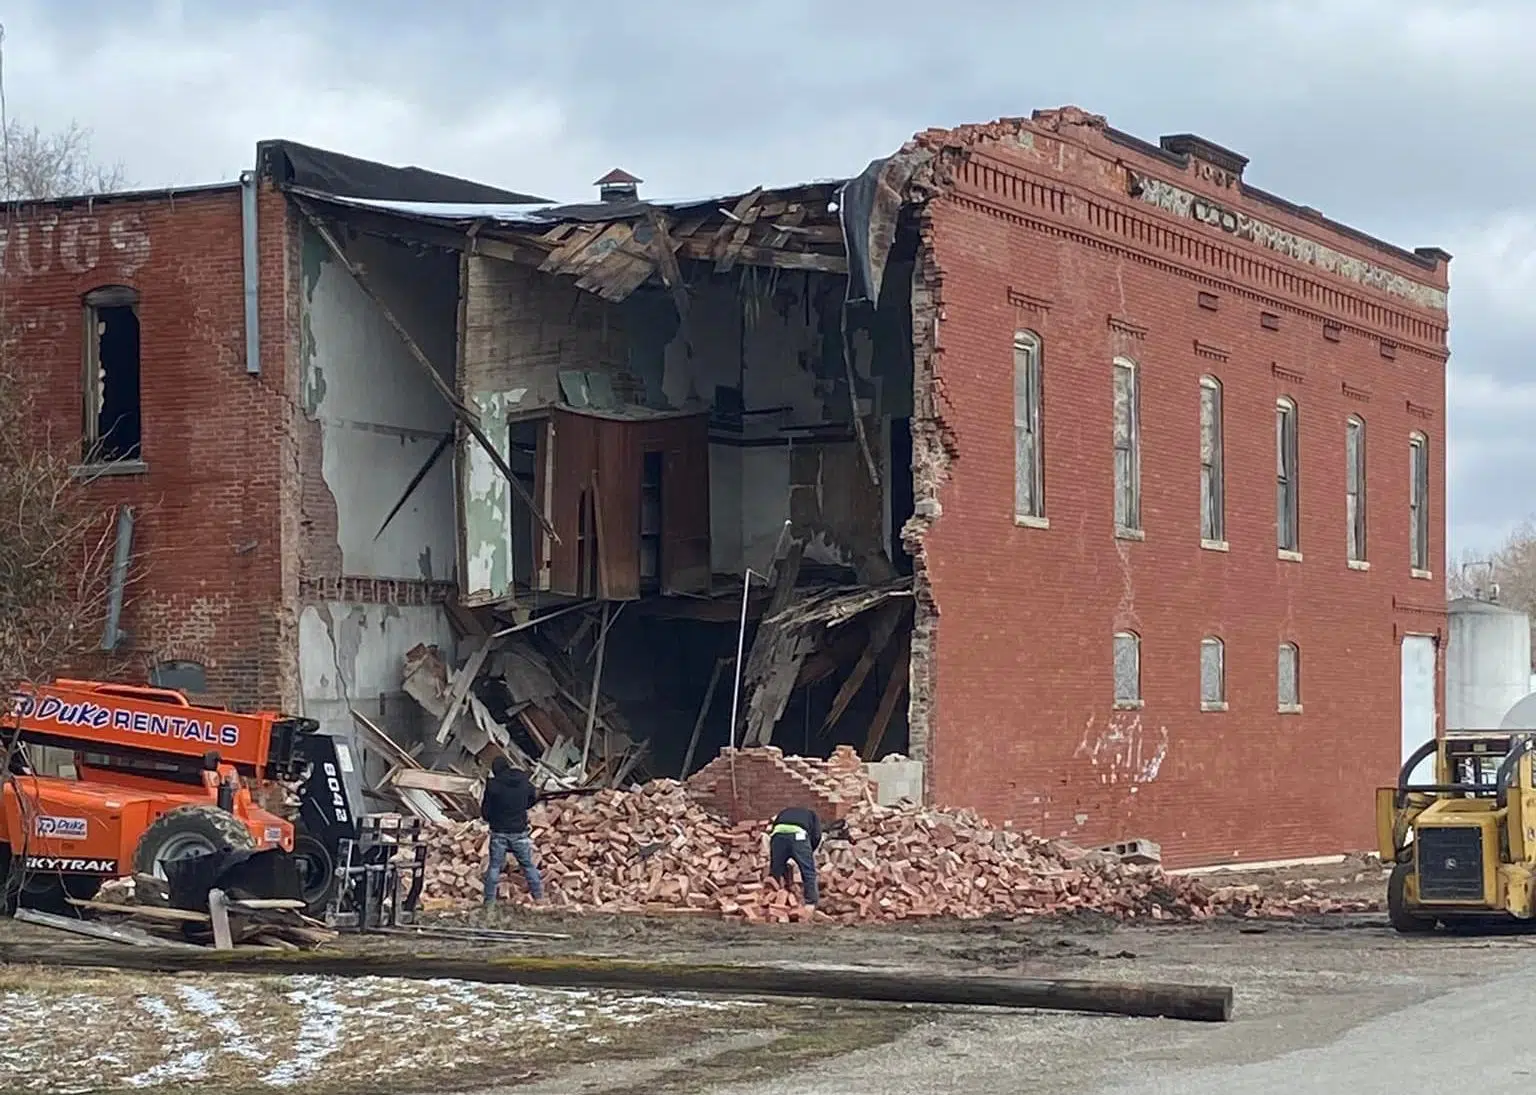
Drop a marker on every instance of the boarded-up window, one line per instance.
(1354, 486)
(1213, 672)
(1028, 447)
(1418, 501)
(1127, 446)
(1212, 503)
(1289, 677)
(1127, 668)
(1287, 535)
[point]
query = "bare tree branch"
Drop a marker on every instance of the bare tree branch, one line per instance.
(39, 164)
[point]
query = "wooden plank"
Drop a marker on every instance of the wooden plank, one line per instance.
(461, 685)
(258, 904)
(895, 688)
(698, 723)
(753, 255)
(147, 912)
(1200, 1003)
(388, 743)
(95, 931)
(218, 912)
(440, 783)
(880, 631)
(597, 680)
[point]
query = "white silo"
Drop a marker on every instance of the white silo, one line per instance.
(1488, 663)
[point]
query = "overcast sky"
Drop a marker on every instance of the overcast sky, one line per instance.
(1407, 118)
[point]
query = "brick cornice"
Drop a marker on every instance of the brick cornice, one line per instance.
(1004, 191)
(1204, 275)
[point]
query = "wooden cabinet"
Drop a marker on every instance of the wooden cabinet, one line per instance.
(631, 504)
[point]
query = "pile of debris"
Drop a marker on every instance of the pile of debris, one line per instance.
(138, 911)
(657, 849)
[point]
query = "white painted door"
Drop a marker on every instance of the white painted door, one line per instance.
(1418, 693)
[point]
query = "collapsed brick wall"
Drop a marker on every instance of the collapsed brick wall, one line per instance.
(766, 781)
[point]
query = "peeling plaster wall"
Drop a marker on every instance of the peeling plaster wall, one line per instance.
(776, 339)
(772, 336)
(351, 655)
(378, 414)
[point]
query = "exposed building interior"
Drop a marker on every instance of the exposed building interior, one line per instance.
(637, 464)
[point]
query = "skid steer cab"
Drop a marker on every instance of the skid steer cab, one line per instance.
(1463, 845)
(157, 780)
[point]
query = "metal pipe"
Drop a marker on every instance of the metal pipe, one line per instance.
(251, 261)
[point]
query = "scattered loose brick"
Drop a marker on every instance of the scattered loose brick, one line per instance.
(658, 848)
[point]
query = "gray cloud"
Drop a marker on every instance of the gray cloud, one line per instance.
(1403, 118)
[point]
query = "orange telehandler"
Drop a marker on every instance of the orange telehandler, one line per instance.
(160, 780)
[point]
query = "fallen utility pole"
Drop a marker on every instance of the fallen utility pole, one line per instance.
(1201, 1003)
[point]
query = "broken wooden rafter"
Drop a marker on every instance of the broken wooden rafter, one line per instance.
(466, 416)
(461, 686)
(410, 488)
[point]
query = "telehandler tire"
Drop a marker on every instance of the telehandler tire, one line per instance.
(190, 830)
(1402, 918)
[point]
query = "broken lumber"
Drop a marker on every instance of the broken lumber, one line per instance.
(1197, 1003)
(129, 937)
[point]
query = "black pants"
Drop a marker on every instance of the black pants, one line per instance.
(781, 849)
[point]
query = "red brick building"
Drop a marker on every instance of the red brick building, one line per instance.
(1162, 454)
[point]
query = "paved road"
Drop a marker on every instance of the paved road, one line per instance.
(1475, 1040)
(1352, 1012)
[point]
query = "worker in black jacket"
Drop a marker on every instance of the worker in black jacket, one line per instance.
(508, 797)
(796, 834)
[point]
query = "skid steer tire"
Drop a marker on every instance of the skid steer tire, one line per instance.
(1403, 919)
(186, 831)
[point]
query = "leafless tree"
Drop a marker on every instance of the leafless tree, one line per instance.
(57, 545)
(38, 164)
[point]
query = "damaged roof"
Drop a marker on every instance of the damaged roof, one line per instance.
(614, 247)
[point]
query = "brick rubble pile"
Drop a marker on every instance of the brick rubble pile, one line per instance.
(658, 849)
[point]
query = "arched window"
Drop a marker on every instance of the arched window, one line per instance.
(1028, 434)
(1287, 530)
(1212, 484)
(1127, 418)
(184, 676)
(1127, 669)
(1289, 677)
(1418, 502)
(1213, 674)
(113, 426)
(1354, 486)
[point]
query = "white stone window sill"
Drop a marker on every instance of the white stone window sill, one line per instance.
(1127, 705)
(1130, 534)
(1290, 709)
(1215, 545)
(1423, 575)
(1027, 520)
(1359, 564)
(1206, 705)
(115, 467)
(1288, 556)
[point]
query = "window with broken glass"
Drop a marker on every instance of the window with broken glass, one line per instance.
(113, 428)
(1287, 535)
(1028, 454)
(1213, 673)
(1289, 677)
(1354, 486)
(1127, 448)
(1418, 501)
(1212, 504)
(1127, 668)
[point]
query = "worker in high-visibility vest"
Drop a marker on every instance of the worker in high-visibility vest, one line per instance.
(796, 834)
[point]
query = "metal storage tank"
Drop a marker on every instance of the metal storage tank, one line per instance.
(1488, 663)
